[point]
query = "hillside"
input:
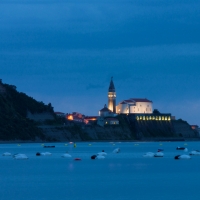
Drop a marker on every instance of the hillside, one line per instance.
(22, 118)
(14, 107)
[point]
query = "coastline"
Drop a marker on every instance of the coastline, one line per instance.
(90, 141)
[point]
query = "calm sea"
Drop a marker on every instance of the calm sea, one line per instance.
(127, 175)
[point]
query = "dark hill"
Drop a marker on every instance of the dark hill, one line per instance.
(14, 106)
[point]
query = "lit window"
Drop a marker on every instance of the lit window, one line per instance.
(156, 117)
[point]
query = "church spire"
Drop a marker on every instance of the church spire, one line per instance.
(112, 96)
(111, 87)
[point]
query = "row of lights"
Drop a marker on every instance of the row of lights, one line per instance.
(163, 118)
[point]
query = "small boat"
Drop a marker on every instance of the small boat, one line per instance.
(159, 154)
(102, 153)
(194, 152)
(6, 154)
(178, 157)
(49, 146)
(180, 148)
(66, 155)
(149, 155)
(20, 156)
(117, 150)
(100, 157)
(46, 154)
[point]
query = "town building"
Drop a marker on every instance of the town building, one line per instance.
(111, 121)
(135, 105)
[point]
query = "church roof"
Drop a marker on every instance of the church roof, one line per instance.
(134, 100)
(111, 87)
(105, 109)
(140, 100)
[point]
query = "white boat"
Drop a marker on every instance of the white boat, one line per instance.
(117, 150)
(102, 153)
(66, 155)
(100, 157)
(178, 157)
(149, 155)
(20, 156)
(6, 154)
(159, 154)
(194, 152)
(46, 154)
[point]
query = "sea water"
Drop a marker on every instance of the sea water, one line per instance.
(126, 175)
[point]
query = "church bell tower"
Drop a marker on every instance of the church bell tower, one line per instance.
(112, 97)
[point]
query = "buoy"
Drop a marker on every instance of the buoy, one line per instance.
(77, 159)
(74, 145)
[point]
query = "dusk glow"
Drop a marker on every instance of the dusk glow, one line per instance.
(65, 52)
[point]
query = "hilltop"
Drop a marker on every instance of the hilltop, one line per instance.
(14, 110)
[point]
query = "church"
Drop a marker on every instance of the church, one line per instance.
(129, 106)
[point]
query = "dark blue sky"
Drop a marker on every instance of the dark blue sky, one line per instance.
(65, 52)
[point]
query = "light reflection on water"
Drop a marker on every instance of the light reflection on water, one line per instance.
(126, 175)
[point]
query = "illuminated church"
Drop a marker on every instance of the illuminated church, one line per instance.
(129, 106)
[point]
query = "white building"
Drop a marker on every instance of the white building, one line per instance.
(105, 112)
(135, 105)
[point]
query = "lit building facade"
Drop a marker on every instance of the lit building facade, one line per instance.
(135, 105)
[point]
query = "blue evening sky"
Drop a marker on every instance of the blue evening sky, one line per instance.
(65, 52)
